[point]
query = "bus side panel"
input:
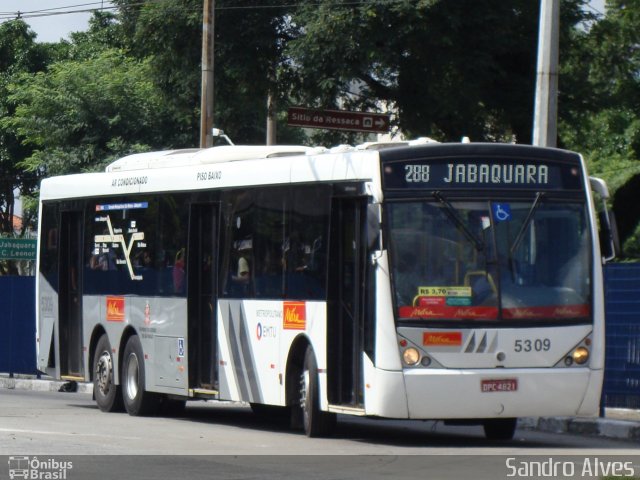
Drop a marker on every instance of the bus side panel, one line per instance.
(255, 337)
(47, 317)
(315, 329)
(385, 392)
(387, 350)
(91, 316)
(247, 357)
(590, 406)
(158, 322)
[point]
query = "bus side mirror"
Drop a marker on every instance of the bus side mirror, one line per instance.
(607, 228)
(608, 233)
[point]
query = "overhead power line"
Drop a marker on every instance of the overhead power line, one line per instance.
(86, 8)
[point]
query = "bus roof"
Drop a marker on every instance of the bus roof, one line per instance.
(197, 156)
(232, 166)
(214, 168)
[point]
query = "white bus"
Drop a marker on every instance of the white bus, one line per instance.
(460, 282)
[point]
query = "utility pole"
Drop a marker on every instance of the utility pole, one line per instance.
(271, 119)
(545, 127)
(206, 96)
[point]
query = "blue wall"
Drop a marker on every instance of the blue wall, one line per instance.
(622, 368)
(17, 325)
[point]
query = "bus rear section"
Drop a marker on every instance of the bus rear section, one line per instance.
(496, 283)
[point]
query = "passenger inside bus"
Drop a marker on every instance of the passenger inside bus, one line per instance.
(243, 271)
(178, 272)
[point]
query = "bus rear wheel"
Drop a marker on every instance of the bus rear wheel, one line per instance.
(500, 428)
(107, 394)
(316, 423)
(137, 401)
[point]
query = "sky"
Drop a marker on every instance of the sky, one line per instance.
(49, 18)
(51, 24)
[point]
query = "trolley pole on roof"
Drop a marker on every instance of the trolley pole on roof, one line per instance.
(545, 128)
(206, 96)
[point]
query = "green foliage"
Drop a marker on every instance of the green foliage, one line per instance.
(18, 54)
(448, 68)
(80, 113)
(610, 139)
(248, 60)
(599, 108)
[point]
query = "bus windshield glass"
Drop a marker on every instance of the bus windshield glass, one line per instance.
(519, 260)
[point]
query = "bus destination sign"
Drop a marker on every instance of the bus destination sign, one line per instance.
(435, 174)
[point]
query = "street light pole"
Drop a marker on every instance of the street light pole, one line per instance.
(206, 95)
(545, 129)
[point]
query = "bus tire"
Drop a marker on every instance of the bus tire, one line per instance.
(500, 428)
(107, 394)
(316, 423)
(137, 401)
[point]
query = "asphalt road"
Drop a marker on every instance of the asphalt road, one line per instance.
(213, 440)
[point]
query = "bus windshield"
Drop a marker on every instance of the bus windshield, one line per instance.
(490, 260)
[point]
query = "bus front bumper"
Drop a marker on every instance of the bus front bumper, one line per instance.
(485, 393)
(502, 393)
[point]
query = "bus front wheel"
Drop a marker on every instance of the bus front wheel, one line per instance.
(316, 423)
(107, 394)
(137, 401)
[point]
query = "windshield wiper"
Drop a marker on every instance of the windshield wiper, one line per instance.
(453, 215)
(525, 224)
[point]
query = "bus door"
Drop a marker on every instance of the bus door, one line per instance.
(70, 295)
(201, 288)
(346, 302)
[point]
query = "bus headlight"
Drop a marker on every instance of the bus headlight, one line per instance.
(411, 356)
(580, 355)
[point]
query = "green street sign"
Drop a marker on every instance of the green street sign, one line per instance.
(17, 249)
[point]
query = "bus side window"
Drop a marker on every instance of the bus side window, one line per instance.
(236, 247)
(306, 255)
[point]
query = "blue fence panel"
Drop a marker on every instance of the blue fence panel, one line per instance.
(17, 325)
(622, 364)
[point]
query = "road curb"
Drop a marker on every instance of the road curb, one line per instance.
(592, 427)
(24, 382)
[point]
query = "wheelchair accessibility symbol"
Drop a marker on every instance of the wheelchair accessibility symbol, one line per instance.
(501, 212)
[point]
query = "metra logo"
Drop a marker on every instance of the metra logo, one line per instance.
(442, 338)
(295, 316)
(115, 309)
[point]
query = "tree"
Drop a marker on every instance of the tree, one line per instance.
(248, 60)
(81, 114)
(599, 115)
(19, 53)
(448, 69)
